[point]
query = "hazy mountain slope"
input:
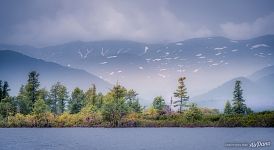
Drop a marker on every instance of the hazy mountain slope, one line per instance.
(153, 69)
(15, 67)
(262, 73)
(258, 93)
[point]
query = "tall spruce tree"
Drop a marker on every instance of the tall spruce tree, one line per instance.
(239, 106)
(5, 90)
(32, 87)
(181, 93)
(1, 90)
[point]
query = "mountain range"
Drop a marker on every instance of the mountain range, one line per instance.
(153, 69)
(16, 66)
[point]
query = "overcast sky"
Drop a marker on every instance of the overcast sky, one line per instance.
(49, 22)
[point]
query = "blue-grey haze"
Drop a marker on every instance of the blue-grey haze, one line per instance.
(39, 22)
(211, 66)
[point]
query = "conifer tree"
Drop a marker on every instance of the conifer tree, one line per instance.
(133, 101)
(159, 103)
(7, 106)
(58, 98)
(5, 90)
(228, 108)
(239, 106)
(181, 93)
(53, 98)
(99, 100)
(25, 105)
(77, 100)
(118, 92)
(7, 103)
(40, 107)
(32, 87)
(115, 106)
(62, 99)
(1, 90)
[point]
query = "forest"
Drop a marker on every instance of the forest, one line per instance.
(119, 107)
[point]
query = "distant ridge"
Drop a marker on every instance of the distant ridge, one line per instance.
(16, 66)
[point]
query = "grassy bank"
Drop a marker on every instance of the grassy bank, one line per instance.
(261, 119)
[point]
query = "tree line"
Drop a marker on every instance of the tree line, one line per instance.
(238, 106)
(119, 107)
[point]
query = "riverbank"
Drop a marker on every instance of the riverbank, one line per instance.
(261, 119)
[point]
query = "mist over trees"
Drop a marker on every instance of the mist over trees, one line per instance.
(119, 107)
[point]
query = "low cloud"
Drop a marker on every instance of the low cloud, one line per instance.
(144, 21)
(58, 21)
(244, 30)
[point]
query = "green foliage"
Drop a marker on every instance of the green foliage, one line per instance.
(133, 101)
(208, 111)
(32, 87)
(90, 96)
(118, 108)
(158, 103)
(249, 110)
(90, 116)
(228, 108)
(41, 115)
(29, 93)
(24, 104)
(43, 94)
(151, 113)
(7, 103)
(58, 98)
(77, 101)
(118, 92)
(99, 100)
(1, 90)
(7, 107)
(4, 90)
(115, 106)
(40, 107)
(113, 111)
(181, 93)
(193, 113)
(239, 106)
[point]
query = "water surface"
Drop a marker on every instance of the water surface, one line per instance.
(131, 138)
